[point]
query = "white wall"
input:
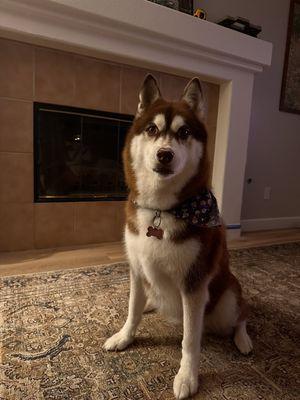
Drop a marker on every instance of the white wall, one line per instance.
(274, 141)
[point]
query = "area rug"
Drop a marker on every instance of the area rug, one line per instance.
(53, 326)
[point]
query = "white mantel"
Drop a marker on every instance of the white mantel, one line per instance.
(138, 32)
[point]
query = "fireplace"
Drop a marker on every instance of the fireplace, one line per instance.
(78, 154)
(63, 62)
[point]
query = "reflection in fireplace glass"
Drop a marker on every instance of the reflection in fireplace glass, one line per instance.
(78, 154)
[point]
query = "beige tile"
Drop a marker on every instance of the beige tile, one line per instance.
(16, 128)
(54, 76)
(131, 82)
(99, 222)
(16, 69)
(97, 84)
(16, 177)
(54, 225)
(16, 222)
(172, 86)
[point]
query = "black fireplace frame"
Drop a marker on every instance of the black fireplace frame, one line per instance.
(37, 106)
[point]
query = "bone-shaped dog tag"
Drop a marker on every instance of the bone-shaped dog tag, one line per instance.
(157, 232)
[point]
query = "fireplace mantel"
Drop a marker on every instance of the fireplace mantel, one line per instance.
(138, 32)
(134, 31)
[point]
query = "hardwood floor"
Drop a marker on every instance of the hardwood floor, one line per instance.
(32, 261)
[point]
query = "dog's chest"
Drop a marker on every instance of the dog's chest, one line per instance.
(161, 254)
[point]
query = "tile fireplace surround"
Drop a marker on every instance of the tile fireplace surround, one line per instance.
(62, 51)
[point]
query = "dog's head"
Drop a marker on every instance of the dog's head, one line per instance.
(166, 146)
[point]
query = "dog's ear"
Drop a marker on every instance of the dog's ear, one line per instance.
(193, 95)
(149, 93)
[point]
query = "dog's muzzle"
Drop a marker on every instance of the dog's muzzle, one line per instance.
(165, 155)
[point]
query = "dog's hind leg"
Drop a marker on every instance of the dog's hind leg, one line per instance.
(150, 306)
(151, 303)
(241, 338)
(229, 316)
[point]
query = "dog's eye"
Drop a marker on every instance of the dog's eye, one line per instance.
(184, 132)
(152, 130)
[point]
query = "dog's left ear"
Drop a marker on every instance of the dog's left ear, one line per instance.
(193, 95)
(149, 93)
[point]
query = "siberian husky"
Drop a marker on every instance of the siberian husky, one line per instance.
(175, 239)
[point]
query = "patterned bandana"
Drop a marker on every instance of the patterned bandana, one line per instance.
(201, 210)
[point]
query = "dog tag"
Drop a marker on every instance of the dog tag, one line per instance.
(157, 232)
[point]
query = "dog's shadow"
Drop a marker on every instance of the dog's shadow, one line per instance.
(156, 342)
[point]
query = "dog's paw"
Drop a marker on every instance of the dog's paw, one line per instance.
(185, 383)
(243, 342)
(119, 341)
(242, 339)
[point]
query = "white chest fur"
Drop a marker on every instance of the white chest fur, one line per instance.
(164, 263)
(154, 257)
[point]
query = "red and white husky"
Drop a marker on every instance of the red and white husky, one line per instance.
(176, 267)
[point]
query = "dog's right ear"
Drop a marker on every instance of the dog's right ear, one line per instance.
(149, 93)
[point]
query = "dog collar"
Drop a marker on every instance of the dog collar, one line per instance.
(201, 210)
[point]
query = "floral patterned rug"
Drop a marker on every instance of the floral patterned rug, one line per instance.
(53, 325)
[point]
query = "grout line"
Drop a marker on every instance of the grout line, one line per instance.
(120, 87)
(33, 71)
(34, 226)
(23, 100)
(16, 152)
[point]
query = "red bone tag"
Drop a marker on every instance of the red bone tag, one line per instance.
(152, 231)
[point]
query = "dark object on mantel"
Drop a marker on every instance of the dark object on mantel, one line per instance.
(185, 6)
(241, 25)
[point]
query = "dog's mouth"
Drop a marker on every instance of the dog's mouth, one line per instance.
(162, 170)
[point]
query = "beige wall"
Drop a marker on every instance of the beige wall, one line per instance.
(30, 73)
(274, 139)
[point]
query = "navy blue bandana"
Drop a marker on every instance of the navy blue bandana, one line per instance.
(201, 210)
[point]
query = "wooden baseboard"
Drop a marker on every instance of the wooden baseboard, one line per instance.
(260, 224)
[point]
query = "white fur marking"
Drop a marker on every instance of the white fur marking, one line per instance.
(160, 122)
(186, 380)
(177, 123)
(137, 301)
(162, 262)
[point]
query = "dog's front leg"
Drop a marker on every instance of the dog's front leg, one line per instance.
(186, 380)
(137, 301)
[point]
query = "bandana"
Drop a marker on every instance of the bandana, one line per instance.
(201, 210)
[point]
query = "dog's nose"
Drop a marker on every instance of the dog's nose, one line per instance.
(165, 155)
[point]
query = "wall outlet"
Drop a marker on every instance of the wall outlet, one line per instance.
(267, 193)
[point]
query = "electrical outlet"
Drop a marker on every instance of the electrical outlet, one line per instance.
(267, 193)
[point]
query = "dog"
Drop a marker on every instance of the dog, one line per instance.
(175, 239)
